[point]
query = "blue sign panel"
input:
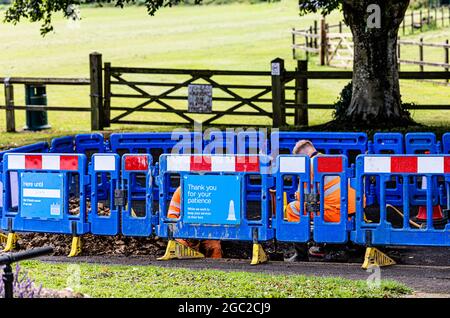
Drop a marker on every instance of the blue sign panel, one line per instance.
(212, 199)
(42, 195)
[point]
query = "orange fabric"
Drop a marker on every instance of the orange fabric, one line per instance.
(211, 248)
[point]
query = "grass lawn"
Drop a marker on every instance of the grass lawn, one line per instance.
(153, 281)
(238, 36)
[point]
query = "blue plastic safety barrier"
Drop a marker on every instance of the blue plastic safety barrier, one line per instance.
(218, 142)
(90, 144)
(156, 144)
(421, 143)
(384, 167)
(39, 147)
(105, 167)
(446, 143)
(214, 204)
(137, 215)
(62, 145)
(386, 143)
(43, 187)
(349, 144)
(326, 169)
(295, 168)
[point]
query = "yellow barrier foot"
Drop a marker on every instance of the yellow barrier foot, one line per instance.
(176, 250)
(3, 238)
(376, 257)
(11, 241)
(76, 246)
(258, 255)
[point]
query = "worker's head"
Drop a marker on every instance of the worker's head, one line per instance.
(304, 147)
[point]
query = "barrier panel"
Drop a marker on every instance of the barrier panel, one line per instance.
(90, 144)
(137, 215)
(43, 188)
(386, 143)
(349, 144)
(382, 232)
(330, 175)
(62, 145)
(213, 204)
(156, 144)
(446, 143)
(104, 169)
(218, 142)
(40, 147)
(421, 143)
(294, 170)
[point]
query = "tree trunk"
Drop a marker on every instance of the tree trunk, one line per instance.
(376, 89)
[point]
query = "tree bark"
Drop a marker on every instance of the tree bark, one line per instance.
(376, 99)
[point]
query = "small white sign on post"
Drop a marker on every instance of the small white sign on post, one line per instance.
(276, 69)
(199, 98)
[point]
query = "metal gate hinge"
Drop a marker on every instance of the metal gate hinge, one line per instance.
(120, 197)
(312, 203)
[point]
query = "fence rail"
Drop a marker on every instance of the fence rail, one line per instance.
(285, 97)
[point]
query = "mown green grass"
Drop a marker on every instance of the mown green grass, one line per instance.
(239, 36)
(153, 281)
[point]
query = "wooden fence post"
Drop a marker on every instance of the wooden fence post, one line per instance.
(412, 22)
(293, 43)
(9, 103)
(447, 58)
(315, 33)
(442, 17)
(278, 93)
(107, 96)
(301, 96)
(95, 67)
(404, 26)
(398, 53)
(421, 54)
(340, 26)
(323, 41)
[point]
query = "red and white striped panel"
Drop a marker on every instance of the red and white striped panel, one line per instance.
(104, 162)
(42, 162)
(213, 163)
(136, 162)
(330, 164)
(292, 164)
(407, 164)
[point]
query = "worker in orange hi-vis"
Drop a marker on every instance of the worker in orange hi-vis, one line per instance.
(210, 248)
(332, 209)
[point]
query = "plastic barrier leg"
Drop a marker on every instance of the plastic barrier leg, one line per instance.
(76, 246)
(11, 241)
(3, 238)
(375, 257)
(176, 250)
(258, 255)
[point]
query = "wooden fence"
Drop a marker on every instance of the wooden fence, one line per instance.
(284, 96)
(336, 49)
(96, 94)
(334, 43)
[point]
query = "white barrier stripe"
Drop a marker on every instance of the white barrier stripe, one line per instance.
(430, 165)
(292, 164)
(51, 162)
(223, 163)
(377, 164)
(178, 163)
(16, 162)
(104, 163)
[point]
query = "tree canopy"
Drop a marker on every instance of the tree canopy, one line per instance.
(43, 10)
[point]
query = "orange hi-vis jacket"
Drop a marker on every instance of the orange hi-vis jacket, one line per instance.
(332, 201)
(212, 248)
